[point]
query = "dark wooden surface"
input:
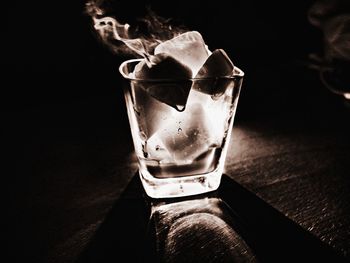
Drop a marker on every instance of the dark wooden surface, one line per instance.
(69, 183)
(228, 225)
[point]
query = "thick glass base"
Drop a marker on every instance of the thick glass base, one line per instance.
(180, 186)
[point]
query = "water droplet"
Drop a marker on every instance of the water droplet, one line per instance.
(180, 108)
(179, 130)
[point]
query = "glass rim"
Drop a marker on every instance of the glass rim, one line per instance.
(237, 73)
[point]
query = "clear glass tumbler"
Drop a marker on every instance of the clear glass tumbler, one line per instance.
(180, 129)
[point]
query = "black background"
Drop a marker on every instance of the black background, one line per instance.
(52, 55)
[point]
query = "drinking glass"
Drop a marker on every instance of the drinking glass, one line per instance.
(181, 129)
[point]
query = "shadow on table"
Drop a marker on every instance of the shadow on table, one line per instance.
(228, 225)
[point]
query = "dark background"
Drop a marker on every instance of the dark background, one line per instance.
(64, 118)
(52, 55)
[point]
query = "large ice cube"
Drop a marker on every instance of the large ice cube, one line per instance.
(173, 86)
(215, 114)
(162, 66)
(149, 111)
(217, 65)
(189, 48)
(188, 134)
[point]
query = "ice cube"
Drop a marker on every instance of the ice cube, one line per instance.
(188, 135)
(215, 114)
(173, 86)
(189, 48)
(217, 65)
(162, 66)
(149, 111)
